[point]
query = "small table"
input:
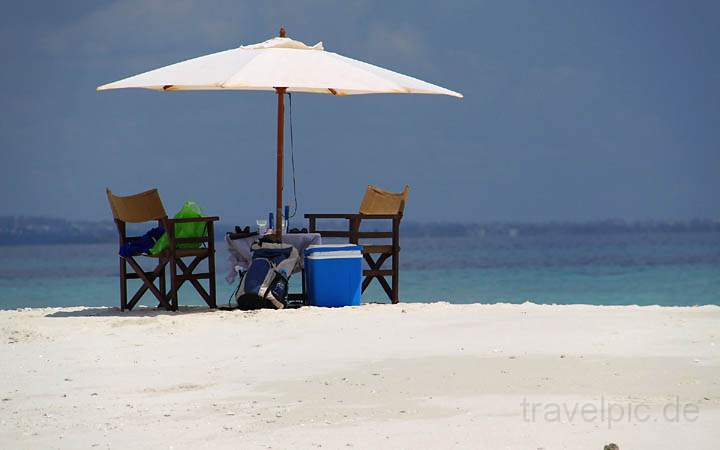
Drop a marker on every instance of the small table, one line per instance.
(241, 255)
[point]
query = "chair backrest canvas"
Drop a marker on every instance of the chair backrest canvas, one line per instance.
(142, 207)
(379, 201)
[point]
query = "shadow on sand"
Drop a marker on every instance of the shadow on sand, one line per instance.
(141, 311)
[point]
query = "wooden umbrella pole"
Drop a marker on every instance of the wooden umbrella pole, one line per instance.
(280, 130)
(281, 126)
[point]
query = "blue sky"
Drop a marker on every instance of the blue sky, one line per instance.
(572, 110)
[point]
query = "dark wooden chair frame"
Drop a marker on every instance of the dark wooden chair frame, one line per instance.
(172, 257)
(384, 252)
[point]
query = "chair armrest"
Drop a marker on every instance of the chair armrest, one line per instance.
(380, 216)
(195, 219)
(352, 216)
(330, 216)
(210, 238)
(351, 220)
(354, 221)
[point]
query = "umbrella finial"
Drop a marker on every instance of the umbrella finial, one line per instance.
(282, 31)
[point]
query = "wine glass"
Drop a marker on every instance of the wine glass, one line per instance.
(262, 226)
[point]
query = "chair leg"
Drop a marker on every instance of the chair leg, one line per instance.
(148, 279)
(391, 292)
(163, 289)
(395, 283)
(396, 261)
(211, 269)
(173, 284)
(123, 284)
(211, 263)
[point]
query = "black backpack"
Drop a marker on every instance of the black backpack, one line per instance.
(265, 283)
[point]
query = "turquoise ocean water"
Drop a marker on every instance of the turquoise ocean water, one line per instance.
(614, 268)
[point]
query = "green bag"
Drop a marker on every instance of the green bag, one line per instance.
(183, 230)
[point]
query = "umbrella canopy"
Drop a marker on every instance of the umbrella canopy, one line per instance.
(282, 65)
(279, 62)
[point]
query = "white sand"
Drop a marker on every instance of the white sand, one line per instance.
(377, 376)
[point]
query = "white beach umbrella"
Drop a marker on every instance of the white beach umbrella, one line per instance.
(282, 65)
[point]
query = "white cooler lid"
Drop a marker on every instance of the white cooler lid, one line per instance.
(332, 251)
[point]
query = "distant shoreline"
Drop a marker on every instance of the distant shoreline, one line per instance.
(27, 230)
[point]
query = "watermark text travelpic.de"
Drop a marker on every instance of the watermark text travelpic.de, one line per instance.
(609, 412)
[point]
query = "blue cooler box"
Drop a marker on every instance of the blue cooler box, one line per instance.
(333, 274)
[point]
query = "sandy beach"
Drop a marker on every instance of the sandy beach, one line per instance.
(377, 376)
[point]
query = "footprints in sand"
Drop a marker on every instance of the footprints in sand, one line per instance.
(15, 336)
(183, 387)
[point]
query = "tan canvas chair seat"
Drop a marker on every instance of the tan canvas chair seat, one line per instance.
(143, 207)
(379, 201)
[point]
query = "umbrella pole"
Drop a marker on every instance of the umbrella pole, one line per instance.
(279, 192)
(280, 129)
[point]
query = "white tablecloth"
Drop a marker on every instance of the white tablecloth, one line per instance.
(240, 254)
